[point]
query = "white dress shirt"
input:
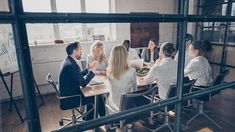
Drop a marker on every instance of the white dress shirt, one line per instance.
(187, 58)
(132, 54)
(126, 84)
(200, 69)
(165, 74)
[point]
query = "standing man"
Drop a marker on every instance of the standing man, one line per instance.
(71, 78)
(189, 40)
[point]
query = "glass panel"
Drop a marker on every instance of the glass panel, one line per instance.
(231, 33)
(230, 56)
(8, 59)
(215, 69)
(156, 6)
(98, 31)
(209, 8)
(68, 6)
(4, 5)
(40, 34)
(97, 6)
(213, 31)
(233, 9)
(216, 54)
(36, 5)
(70, 32)
(231, 76)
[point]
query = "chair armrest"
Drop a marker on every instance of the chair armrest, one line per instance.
(72, 96)
(109, 108)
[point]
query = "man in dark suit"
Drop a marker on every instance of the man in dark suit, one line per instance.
(71, 78)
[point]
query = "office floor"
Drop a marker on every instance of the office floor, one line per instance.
(222, 105)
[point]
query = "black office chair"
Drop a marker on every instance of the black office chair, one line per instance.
(129, 100)
(68, 103)
(188, 84)
(219, 79)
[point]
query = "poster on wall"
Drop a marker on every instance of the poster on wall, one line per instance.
(141, 33)
(8, 60)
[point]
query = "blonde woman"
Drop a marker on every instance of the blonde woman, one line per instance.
(97, 59)
(122, 78)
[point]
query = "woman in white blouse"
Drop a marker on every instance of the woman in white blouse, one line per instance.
(122, 78)
(97, 58)
(199, 67)
(164, 71)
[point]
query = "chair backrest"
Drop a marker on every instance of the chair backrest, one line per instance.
(50, 79)
(219, 78)
(188, 84)
(66, 102)
(127, 100)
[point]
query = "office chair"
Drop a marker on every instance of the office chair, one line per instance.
(188, 84)
(68, 103)
(128, 101)
(219, 79)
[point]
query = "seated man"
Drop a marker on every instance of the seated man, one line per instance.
(132, 53)
(71, 78)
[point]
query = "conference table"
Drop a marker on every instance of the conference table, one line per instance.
(102, 87)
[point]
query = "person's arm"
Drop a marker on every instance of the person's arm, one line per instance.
(84, 80)
(143, 54)
(190, 68)
(176, 56)
(136, 55)
(134, 81)
(152, 75)
(85, 71)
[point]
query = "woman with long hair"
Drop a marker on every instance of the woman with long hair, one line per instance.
(122, 78)
(151, 54)
(97, 59)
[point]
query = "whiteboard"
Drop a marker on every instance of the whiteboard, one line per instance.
(8, 60)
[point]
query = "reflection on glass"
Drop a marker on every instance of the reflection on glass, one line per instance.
(97, 6)
(4, 5)
(230, 56)
(68, 6)
(36, 5)
(209, 8)
(40, 34)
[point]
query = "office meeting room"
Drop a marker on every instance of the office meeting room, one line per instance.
(117, 65)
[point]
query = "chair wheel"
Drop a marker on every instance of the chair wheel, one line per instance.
(61, 122)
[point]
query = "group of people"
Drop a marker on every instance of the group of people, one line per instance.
(122, 77)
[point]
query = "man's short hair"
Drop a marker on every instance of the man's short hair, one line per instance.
(189, 37)
(71, 47)
(127, 42)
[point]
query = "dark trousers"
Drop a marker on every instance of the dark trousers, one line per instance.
(90, 100)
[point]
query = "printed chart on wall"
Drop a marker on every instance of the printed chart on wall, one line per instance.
(8, 60)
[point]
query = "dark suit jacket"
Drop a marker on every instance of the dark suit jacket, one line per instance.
(146, 55)
(71, 77)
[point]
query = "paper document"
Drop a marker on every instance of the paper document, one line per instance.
(95, 82)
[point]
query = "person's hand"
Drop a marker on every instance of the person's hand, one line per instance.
(103, 72)
(94, 65)
(158, 61)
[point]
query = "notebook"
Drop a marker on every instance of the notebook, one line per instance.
(95, 82)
